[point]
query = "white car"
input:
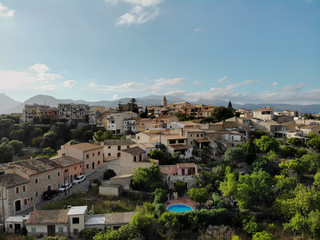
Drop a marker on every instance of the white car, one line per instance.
(79, 179)
(65, 187)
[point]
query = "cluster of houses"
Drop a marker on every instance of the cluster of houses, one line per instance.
(23, 182)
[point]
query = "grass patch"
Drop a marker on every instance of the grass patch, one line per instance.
(101, 204)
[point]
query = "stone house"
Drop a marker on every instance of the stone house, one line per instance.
(70, 168)
(115, 121)
(90, 154)
(143, 124)
(266, 113)
(112, 147)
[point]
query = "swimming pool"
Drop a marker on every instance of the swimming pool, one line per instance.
(179, 208)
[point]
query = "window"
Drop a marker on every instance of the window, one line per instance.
(119, 148)
(37, 194)
(63, 154)
(98, 162)
(134, 158)
(109, 154)
(87, 156)
(10, 226)
(60, 229)
(181, 141)
(87, 166)
(49, 176)
(58, 174)
(92, 154)
(75, 231)
(75, 168)
(119, 155)
(75, 220)
(25, 201)
(109, 147)
(197, 135)
(33, 230)
(140, 158)
(172, 141)
(17, 190)
(23, 188)
(99, 153)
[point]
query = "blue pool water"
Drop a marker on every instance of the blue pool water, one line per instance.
(179, 208)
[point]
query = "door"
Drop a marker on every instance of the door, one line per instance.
(93, 165)
(17, 205)
(17, 228)
(51, 230)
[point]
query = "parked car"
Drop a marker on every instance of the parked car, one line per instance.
(47, 195)
(65, 187)
(79, 179)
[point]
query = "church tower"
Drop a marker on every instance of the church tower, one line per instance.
(164, 101)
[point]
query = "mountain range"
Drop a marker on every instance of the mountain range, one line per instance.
(9, 105)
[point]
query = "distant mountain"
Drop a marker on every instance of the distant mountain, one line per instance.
(7, 102)
(8, 105)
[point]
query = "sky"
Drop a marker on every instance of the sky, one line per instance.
(248, 51)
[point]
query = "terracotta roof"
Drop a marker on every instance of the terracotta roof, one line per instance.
(43, 217)
(173, 136)
(34, 166)
(66, 161)
(119, 142)
(202, 140)
(11, 180)
(134, 150)
(186, 165)
(119, 218)
(86, 146)
(179, 146)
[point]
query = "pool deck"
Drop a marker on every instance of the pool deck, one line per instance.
(181, 200)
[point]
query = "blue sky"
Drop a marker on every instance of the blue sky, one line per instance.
(247, 51)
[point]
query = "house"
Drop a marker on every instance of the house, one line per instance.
(266, 113)
(77, 217)
(181, 125)
(73, 112)
(70, 168)
(48, 223)
(30, 112)
(133, 158)
(143, 124)
(180, 172)
(91, 155)
(14, 196)
(315, 128)
(163, 121)
(115, 121)
(112, 147)
(14, 224)
(42, 174)
(116, 220)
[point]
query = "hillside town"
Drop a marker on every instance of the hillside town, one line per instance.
(193, 150)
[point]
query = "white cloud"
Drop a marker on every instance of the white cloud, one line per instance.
(196, 83)
(240, 84)
(137, 15)
(37, 73)
(197, 30)
(273, 84)
(115, 97)
(161, 83)
(125, 87)
(292, 94)
(46, 88)
(5, 12)
(142, 11)
(222, 79)
(69, 83)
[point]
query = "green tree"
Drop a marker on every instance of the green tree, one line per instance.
(311, 161)
(49, 140)
(168, 225)
(132, 105)
(234, 156)
(160, 196)
(6, 152)
(250, 225)
(143, 222)
(88, 234)
(314, 143)
(98, 136)
(158, 155)
(229, 185)
(199, 195)
(250, 150)
(147, 179)
(316, 182)
(266, 144)
(221, 113)
(17, 135)
(295, 141)
(181, 188)
(17, 146)
(262, 236)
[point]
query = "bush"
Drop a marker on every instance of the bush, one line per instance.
(181, 188)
